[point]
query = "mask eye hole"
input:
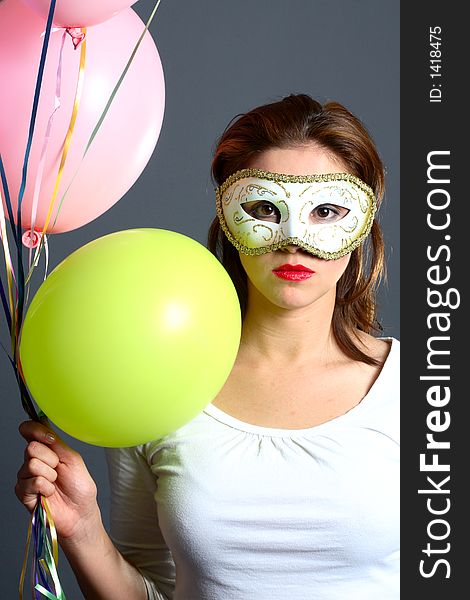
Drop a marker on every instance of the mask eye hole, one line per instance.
(262, 211)
(328, 213)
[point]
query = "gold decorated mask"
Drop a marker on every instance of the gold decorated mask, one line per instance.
(328, 215)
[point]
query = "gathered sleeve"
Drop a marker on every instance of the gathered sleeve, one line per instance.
(134, 526)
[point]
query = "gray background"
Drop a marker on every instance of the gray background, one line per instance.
(221, 58)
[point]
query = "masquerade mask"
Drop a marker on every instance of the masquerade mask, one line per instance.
(327, 215)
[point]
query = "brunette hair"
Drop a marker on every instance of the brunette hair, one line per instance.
(298, 120)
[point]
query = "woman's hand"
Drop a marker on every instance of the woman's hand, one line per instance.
(53, 469)
(56, 471)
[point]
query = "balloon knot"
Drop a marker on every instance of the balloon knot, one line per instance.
(77, 35)
(30, 239)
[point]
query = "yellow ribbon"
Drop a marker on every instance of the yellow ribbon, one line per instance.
(73, 118)
(25, 560)
(52, 530)
(52, 547)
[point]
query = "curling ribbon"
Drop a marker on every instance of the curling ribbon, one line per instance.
(10, 305)
(8, 261)
(37, 91)
(42, 535)
(12, 288)
(68, 137)
(34, 111)
(45, 574)
(31, 238)
(5, 306)
(25, 560)
(66, 145)
(7, 199)
(121, 78)
(38, 238)
(110, 100)
(42, 158)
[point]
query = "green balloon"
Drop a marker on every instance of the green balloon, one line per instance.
(130, 337)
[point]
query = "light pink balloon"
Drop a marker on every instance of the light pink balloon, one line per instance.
(80, 13)
(129, 132)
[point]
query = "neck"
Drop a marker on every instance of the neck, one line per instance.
(298, 335)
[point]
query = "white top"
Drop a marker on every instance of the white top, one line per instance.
(248, 512)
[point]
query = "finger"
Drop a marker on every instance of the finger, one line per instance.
(42, 452)
(27, 490)
(37, 468)
(33, 430)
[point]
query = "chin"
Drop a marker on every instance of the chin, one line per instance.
(294, 301)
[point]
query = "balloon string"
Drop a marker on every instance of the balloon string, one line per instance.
(52, 529)
(16, 306)
(111, 98)
(25, 559)
(34, 111)
(42, 159)
(65, 150)
(10, 307)
(68, 136)
(37, 91)
(36, 260)
(44, 568)
(26, 400)
(6, 309)
(8, 261)
(121, 78)
(42, 535)
(7, 199)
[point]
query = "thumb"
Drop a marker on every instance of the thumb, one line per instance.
(65, 452)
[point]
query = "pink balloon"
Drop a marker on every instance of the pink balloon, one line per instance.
(80, 13)
(128, 134)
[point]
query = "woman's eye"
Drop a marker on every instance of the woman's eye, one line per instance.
(263, 211)
(328, 213)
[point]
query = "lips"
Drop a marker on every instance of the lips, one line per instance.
(293, 272)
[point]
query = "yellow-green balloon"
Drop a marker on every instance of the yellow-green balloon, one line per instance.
(130, 337)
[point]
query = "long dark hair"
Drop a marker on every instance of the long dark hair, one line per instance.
(295, 121)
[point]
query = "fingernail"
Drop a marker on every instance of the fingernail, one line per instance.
(50, 437)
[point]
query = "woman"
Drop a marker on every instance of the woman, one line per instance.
(286, 486)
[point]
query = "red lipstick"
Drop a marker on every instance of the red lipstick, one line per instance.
(293, 272)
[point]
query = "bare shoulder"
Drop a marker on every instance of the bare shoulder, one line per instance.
(374, 347)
